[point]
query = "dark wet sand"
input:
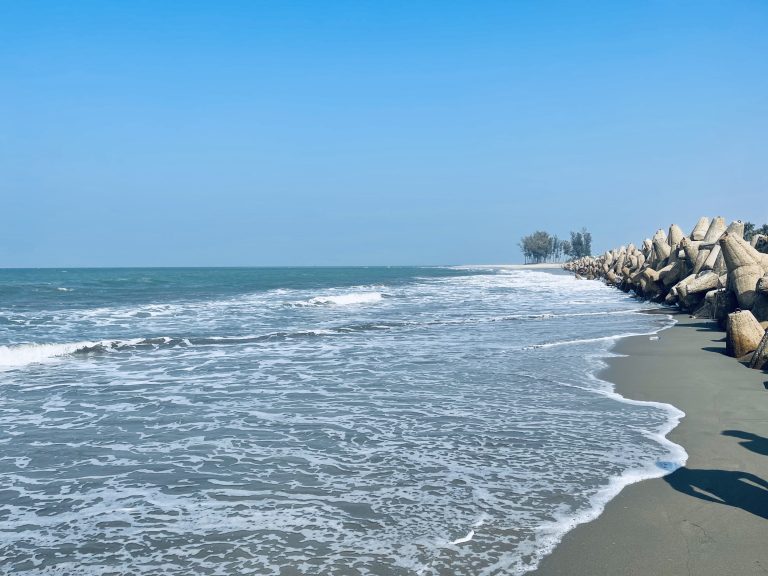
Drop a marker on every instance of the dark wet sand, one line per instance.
(710, 517)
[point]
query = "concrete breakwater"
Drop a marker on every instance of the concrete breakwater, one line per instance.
(713, 272)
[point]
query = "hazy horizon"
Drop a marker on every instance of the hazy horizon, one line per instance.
(313, 134)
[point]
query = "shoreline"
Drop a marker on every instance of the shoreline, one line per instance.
(708, 517)
(542, 266)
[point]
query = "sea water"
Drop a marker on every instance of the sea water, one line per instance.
(311, 420)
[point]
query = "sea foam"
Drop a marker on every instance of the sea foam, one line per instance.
(18, 355)
(342, 299)
(256, 431)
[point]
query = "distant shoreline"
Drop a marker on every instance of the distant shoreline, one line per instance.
(543, 266)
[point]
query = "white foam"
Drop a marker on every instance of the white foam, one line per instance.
(448, 454)
(19, 355)
(550, 534)
(343, 299)
(577, 341)
(611, 338)
(16, 356)
(465, 539)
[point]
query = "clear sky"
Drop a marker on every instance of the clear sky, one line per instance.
(355, 132)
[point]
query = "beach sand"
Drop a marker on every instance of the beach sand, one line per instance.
(710, 517)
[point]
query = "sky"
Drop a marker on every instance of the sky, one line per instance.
(250, 133)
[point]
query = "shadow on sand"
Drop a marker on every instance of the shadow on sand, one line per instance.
(732, 488)
(716, 349)
(754, 442)
(705, 326)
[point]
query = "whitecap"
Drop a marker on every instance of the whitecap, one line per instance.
(342, 299)
(18, 355)
(465, 539)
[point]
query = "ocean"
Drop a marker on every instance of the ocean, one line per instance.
(403, 420)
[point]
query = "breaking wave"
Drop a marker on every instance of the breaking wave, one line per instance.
(19, 355)
(342, 299)
(16, 356)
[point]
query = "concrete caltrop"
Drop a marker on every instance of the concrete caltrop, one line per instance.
(711, 273)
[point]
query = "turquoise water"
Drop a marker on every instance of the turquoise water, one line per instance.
(310, 420)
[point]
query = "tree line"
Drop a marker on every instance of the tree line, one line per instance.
(543, 247)
(752, 230)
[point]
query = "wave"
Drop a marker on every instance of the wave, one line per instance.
(341, 299)
(556, 315)
(16, 356)
(578, 341)
(590, 340)
(19, 355)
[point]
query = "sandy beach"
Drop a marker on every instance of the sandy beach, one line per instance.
(710, 517)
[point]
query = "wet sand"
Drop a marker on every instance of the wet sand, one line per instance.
(710, 517)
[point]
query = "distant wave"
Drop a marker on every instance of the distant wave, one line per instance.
(341, 299)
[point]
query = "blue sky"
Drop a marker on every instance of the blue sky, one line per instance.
(324, 133)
